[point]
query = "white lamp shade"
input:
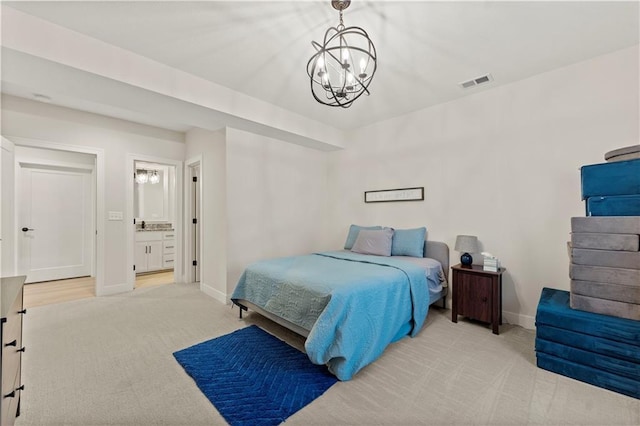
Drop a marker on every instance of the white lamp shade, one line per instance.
(154, 178)
(142, 176)
(467, 244)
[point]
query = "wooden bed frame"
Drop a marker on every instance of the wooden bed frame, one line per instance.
(433, 249)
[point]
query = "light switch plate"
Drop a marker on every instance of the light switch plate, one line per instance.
(115, 215)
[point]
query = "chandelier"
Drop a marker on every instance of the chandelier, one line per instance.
(343, 65)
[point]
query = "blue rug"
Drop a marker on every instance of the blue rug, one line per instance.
(254, 378)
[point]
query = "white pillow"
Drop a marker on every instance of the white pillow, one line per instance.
(376, 242)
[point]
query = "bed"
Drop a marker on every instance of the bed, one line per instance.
(349, 306)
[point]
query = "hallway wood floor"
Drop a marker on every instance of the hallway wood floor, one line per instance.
(50, 292)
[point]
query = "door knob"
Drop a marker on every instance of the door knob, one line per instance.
(27, 229)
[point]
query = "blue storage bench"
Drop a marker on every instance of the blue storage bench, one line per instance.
(606, 179)
(617, 205)
(598, 349)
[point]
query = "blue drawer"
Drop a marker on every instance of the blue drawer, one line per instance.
(606, 179)
(618, 205)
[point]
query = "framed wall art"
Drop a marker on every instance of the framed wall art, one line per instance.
(388, 195)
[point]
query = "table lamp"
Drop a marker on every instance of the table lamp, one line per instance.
(466, 244)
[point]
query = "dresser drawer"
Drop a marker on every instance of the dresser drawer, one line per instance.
(9, 408)
(11, 359)
(169, 247)
(11, 362)
(11, 347)
(167, 261)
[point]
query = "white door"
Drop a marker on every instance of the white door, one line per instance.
(54, 220)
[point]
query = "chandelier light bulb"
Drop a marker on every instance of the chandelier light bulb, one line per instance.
(325, 80)
(350, 81)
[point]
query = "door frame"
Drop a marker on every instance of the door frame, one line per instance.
(98, 188)
(8, 234)
(188, 199)
(129, 215)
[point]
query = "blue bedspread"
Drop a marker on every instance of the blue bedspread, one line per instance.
(354, 305)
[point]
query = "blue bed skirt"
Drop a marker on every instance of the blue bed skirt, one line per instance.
(598, 349)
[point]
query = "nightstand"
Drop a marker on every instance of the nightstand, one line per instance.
(477, 294)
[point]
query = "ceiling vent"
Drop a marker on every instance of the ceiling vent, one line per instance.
(476, 81)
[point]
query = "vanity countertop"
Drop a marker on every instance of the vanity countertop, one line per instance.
(155, 230)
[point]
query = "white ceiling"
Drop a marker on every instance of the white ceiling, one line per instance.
(425, 48)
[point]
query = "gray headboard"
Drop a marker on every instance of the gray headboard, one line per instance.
(439, 251)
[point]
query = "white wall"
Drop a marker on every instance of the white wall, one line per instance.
(502, 164)
(26, 154)
(262, 198)
(22, 118)
(211, 146)
(276, 200)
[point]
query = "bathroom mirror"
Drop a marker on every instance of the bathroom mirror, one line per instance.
(151, 200)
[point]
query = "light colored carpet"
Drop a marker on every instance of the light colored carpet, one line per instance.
(108, 360)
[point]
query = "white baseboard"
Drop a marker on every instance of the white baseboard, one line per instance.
(113, 289)
(216, 294)
(525, 321)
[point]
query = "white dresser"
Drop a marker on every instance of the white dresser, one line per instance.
(154, 250)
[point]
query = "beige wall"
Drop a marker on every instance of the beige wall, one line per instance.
(502, 164)
(276, 200)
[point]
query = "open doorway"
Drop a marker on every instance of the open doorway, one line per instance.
(154, 197)
(154, 206)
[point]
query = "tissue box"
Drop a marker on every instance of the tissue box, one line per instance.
(491, 264)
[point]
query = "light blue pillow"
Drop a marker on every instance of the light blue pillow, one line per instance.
(377, 242)
(354, 230)
(408, 242)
